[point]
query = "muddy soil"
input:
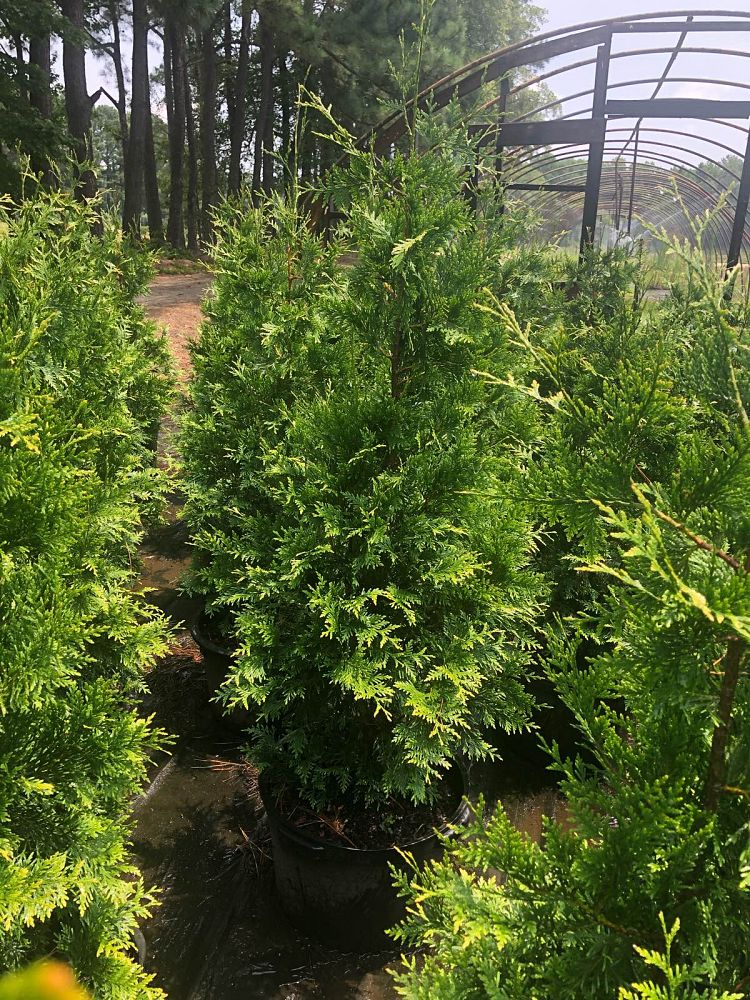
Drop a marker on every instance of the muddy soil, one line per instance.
(201, 836)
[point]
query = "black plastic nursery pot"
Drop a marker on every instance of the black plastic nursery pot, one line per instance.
(217, 660)
(344, 895)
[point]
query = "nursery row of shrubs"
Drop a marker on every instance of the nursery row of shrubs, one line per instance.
(83, 381)
(424, 482)
(428, 490)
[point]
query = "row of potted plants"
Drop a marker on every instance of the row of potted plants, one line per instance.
(393, 482)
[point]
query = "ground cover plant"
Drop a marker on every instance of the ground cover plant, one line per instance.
(82, 379)
(380, 591)
(644, 891)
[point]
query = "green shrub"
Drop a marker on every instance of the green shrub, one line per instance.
(81, 379)
(377, 573)
(653, 672)
(621, 400)
(260, 341)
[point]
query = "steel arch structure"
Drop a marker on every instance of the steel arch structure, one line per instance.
(525, 141)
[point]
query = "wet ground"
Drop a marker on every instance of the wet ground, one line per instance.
(200, 830)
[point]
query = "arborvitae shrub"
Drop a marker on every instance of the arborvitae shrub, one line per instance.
(81, 377)
(658, 808)
(377, 572)
(622, 399)
(261, 339)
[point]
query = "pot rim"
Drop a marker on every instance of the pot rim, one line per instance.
(459, 818)
(197, 631)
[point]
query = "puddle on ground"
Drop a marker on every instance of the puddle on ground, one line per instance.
(219, 934)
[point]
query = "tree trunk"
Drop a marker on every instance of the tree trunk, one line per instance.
(209, 183)
(21, 71)
(122, 110)
(228, 60)
(286, 121)
(239, 109)
(262, 171)
(40, 96)
(78, 104)
(153, 202)
(192, 197)
(168, 91)
(175, 50)
(134, 172)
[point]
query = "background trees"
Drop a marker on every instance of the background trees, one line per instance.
(221, 78)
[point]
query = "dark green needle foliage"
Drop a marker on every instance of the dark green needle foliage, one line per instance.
(379, 585)
(81, 382)
(658, 827)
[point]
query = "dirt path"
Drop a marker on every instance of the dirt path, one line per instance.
(174, 302)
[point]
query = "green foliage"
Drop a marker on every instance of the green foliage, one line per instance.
(679, 981)
(25, 132)
(261, 340)
(374, 554)
(81, 382)
(653, 671)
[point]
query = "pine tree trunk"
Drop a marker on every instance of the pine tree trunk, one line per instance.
(209, 182)
(134, 165)
(21, 72)
(192, 194)
(78, 104)
(174, 53)
(269, 161)
(153, 200)
(239, 106)
(40, 96)
(122, 110)
(264, 126)
(168, 91)
(228, 44)
(286, 120)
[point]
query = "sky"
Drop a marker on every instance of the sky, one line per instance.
(704, 139)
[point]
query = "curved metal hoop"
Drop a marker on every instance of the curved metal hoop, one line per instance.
(529, 139)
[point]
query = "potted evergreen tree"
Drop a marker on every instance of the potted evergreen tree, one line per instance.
(378, 583)
(645, 891)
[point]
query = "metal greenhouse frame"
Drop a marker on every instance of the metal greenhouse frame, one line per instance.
(624, 164)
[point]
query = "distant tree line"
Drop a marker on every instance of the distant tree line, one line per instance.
(215, 108)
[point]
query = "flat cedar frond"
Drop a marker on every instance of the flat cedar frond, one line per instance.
(368, 519)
